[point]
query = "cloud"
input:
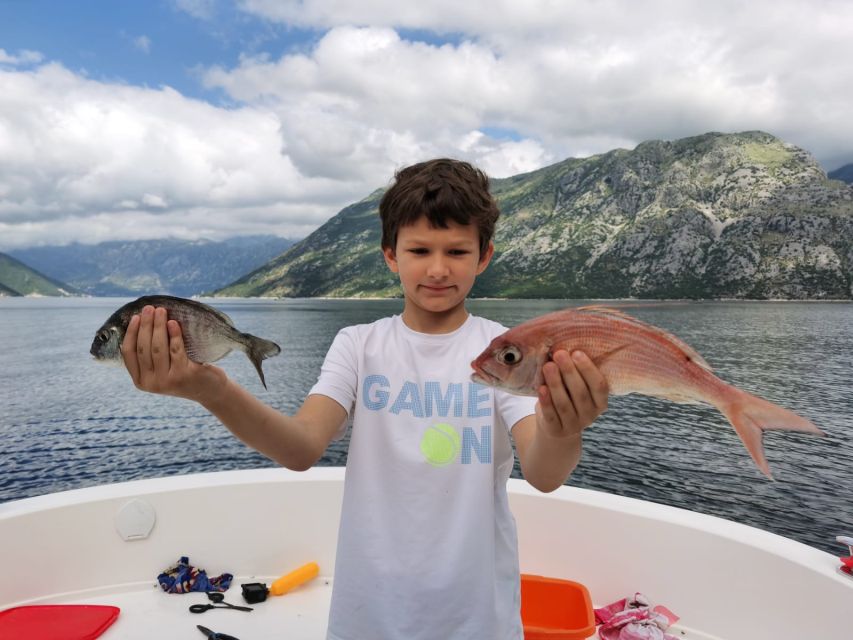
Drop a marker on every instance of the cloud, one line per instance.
(364, 101)
(565, 74)
(24, 57)
(201, 9)
(511, 86)
(81, 160)
(143, 43)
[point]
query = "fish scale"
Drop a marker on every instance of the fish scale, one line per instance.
(634, 357)
(630, 367)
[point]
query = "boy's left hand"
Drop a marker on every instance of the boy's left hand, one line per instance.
(573, 396)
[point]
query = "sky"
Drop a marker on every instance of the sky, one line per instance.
(142, 119)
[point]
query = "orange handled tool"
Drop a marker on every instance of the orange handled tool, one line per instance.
(295, 578)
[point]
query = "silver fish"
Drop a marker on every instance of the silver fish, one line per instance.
(208, 333)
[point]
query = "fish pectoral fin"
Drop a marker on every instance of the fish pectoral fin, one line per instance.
(602, 358)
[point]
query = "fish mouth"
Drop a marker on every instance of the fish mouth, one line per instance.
(481, 376)
(481, 379)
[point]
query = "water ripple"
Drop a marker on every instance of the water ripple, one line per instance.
(66, 422)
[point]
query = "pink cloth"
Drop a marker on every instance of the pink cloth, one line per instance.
(634, 619)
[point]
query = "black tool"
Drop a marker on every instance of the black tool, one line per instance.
(217, 599)
(255, 592)
(212, 635)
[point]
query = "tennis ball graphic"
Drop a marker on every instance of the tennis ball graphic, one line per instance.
(440, 444)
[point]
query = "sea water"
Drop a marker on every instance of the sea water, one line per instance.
(68, 422)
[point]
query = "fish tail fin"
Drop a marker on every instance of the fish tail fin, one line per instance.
(751, 416)
(259, 350)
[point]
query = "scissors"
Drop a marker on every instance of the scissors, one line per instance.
(216, 598)
(212, 635)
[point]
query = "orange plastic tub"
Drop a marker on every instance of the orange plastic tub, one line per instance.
(553, 609)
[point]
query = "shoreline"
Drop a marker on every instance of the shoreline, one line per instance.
(635, 301)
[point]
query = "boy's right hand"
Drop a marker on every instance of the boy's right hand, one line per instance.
(154, 354)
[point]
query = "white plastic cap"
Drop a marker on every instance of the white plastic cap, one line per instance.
(135, 520)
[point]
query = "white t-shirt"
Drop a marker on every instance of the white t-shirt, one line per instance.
(427, 548)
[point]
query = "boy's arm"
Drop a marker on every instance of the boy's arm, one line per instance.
(154, 354)
(549, 443)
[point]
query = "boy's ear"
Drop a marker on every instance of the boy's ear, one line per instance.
(486, 257)
(390, 259)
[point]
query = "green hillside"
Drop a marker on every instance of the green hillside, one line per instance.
(16, 278)
(7, 292)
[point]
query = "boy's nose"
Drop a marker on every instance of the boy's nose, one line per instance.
(437, 267)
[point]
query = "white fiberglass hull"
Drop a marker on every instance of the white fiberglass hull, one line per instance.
(725, 580)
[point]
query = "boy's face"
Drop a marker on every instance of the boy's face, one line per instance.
(437, 267)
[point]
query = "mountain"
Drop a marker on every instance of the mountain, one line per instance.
(845, 173)
(6, 292)
(339, 259)
(179, 267)
(713, 216)
(17, 279)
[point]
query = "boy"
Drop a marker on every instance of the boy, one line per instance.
(427, 546)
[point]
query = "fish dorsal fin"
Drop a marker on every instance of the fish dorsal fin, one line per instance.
(689, 351)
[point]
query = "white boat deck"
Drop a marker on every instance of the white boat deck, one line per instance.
(725, 580)
(300, 615)
(148, 612)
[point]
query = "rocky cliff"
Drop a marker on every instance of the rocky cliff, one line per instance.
(714, 216)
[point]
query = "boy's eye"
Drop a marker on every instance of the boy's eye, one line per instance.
(422, 251)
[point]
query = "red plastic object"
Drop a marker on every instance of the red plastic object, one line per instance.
(56, 622)
(553, 609)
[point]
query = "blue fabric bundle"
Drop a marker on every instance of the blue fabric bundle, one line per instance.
(183, 578)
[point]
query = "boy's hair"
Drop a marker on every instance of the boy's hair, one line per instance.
(442, 190)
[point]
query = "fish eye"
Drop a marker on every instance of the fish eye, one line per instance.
(509, 355)
(104, 336)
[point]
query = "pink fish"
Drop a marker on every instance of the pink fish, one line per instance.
(634, 357)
